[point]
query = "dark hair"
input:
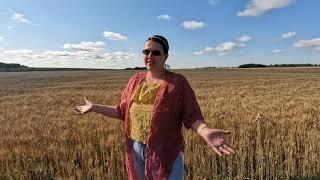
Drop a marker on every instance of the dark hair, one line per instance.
(161, 40)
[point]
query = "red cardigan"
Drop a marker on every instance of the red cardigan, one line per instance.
(175, 104)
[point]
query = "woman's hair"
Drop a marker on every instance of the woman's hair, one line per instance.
(161, 40)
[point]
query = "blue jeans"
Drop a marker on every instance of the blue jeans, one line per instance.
(139, 150)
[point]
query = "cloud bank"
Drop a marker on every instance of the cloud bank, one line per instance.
(259, 7)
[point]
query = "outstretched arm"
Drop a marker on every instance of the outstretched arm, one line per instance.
(215, 138)
(109, 111)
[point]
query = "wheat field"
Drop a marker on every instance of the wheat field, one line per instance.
(273, 114)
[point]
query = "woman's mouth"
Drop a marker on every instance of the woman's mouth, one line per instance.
(149, 62)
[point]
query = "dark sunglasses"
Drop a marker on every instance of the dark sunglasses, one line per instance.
(147, 52)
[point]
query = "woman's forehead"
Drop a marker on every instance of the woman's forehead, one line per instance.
(152, 44)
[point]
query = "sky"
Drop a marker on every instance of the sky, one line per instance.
(201, 33)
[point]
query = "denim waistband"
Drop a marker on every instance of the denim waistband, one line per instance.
(139, 148)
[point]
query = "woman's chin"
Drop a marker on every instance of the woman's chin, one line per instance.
(150, 67)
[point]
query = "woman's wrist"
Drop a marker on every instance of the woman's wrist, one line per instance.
(202, 128)
(199, 127)
(93, 108)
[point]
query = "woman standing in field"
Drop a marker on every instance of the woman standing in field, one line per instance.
(154, 106)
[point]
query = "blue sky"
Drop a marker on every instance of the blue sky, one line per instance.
(111, 33)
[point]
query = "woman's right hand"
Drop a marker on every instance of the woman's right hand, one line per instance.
(84, 108)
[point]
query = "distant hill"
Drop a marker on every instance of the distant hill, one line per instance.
(136, 68)
(11, 65)
(14, 67)
(252, 65)
(293, 65)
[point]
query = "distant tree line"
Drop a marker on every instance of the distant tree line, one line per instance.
(11, 65)
(136, 68)
(166, 66)
(14, 67)
(293, 65)
(208, 67)
(252, 65)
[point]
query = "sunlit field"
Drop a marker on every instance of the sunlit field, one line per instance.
(273, 114)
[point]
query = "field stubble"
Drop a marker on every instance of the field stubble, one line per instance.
(273, 114)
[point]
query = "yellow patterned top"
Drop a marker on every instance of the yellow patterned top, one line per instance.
(141, 110)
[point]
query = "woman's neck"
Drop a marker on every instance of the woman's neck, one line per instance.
(156, 75)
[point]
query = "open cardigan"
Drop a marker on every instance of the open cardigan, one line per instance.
(175, 105)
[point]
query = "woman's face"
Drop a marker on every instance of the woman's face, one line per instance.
(153, 60)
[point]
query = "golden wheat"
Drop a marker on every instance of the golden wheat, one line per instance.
(273, 114)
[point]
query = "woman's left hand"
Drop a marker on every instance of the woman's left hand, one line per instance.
(217, 140)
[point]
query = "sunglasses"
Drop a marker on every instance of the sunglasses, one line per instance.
(148, 51)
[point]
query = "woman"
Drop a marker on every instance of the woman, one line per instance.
(154, 106)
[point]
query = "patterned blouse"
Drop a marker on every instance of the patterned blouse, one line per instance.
(141, 110)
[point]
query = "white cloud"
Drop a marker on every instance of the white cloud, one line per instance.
(288, 35)
(222, 49)
(113, 36)
(221, 54)
(244, 38)
(118, 53)
(205, 50)
(18, 51)
(164, 17)
(65, 56)
(277, 51)
(85, 55)
(10, 27)
(19, 18)
(198, 52)
(259, 7)
(85, 46)
(56, 62)
(60, 54)
(1, 38)
(192, 25)
(213, 2)
(307, 43)
(26, 53)
(228, 46)
(208, 49)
